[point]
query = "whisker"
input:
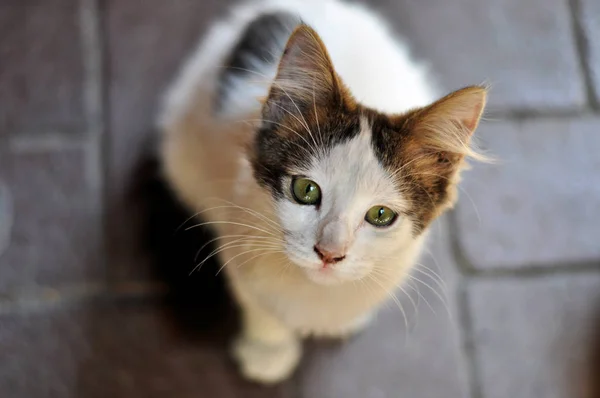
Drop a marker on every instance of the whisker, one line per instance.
(255, 213)
(252, 258)
(398, 285)
(415, 288)
(437, 294)
(230, 245)
(267, 238)
(303, 122)
(301, 115)
(395, 173)
(285, 268)
(436, 263)
(299, 121)
(243, 253)
(393, 297)
(438, 282)
(185, 222)
(231, 223)
(317, 116)
(249, 211)
(469, 197)
(287, 128)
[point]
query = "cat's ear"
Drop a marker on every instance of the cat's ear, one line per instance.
(439, 140)
(445, 128)
(305, 77)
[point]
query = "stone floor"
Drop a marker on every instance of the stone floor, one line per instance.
(517, 313)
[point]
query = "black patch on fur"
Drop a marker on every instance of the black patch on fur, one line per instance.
(276, 152)
(390, 138)
(262, 43)
(387, 139)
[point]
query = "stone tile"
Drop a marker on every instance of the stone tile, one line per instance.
(41, 73)
(114, 350)
(6, 216)
(539, 204)
(590, 17)
(388, 361)
(148, 41)
(524, 48)
(54, 234)
(536, 337)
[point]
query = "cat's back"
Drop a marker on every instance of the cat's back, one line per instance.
(371, 60)
(238, 58)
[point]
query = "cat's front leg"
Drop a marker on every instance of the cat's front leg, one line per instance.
(344, 331)
(266, 350)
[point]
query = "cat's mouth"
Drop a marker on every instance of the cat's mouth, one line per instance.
(316, 272)
(324, 276)
(328, 275)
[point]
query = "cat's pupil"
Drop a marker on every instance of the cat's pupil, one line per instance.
(380, 212)
(309, 188)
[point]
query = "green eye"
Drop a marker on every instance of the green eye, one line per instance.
(305, 191)
(380, 216)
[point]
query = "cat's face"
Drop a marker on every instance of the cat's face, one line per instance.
(342, 212)
(354, 188)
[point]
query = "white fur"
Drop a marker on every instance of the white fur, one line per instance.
(339, 223)
(205, 161)
(376, 67)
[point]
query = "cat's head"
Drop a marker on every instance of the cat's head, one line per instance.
(354, 188)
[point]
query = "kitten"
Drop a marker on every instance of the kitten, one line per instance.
(303, 133)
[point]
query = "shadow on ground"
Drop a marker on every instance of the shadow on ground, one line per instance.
(169, 345)
(593, 373)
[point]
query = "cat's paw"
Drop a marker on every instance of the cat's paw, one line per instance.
(264, 362)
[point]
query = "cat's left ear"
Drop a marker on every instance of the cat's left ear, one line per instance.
(305, 78)
(439, 139)
(445, 128)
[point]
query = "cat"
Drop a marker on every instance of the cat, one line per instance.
(320, 153)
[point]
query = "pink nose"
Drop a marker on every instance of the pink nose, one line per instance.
(329, 257)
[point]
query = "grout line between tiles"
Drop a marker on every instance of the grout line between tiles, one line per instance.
(48, 141)
(468, 340)
(93, 59)
(583, 53)
(494, 116)
(462, 308)
(525, 270)
(463, 264)
(42, 298)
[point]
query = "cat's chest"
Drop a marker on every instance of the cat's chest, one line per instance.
(310, 308)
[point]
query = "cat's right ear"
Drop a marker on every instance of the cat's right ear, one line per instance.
(305, 78)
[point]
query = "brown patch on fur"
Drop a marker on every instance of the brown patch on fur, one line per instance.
(427, 148)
